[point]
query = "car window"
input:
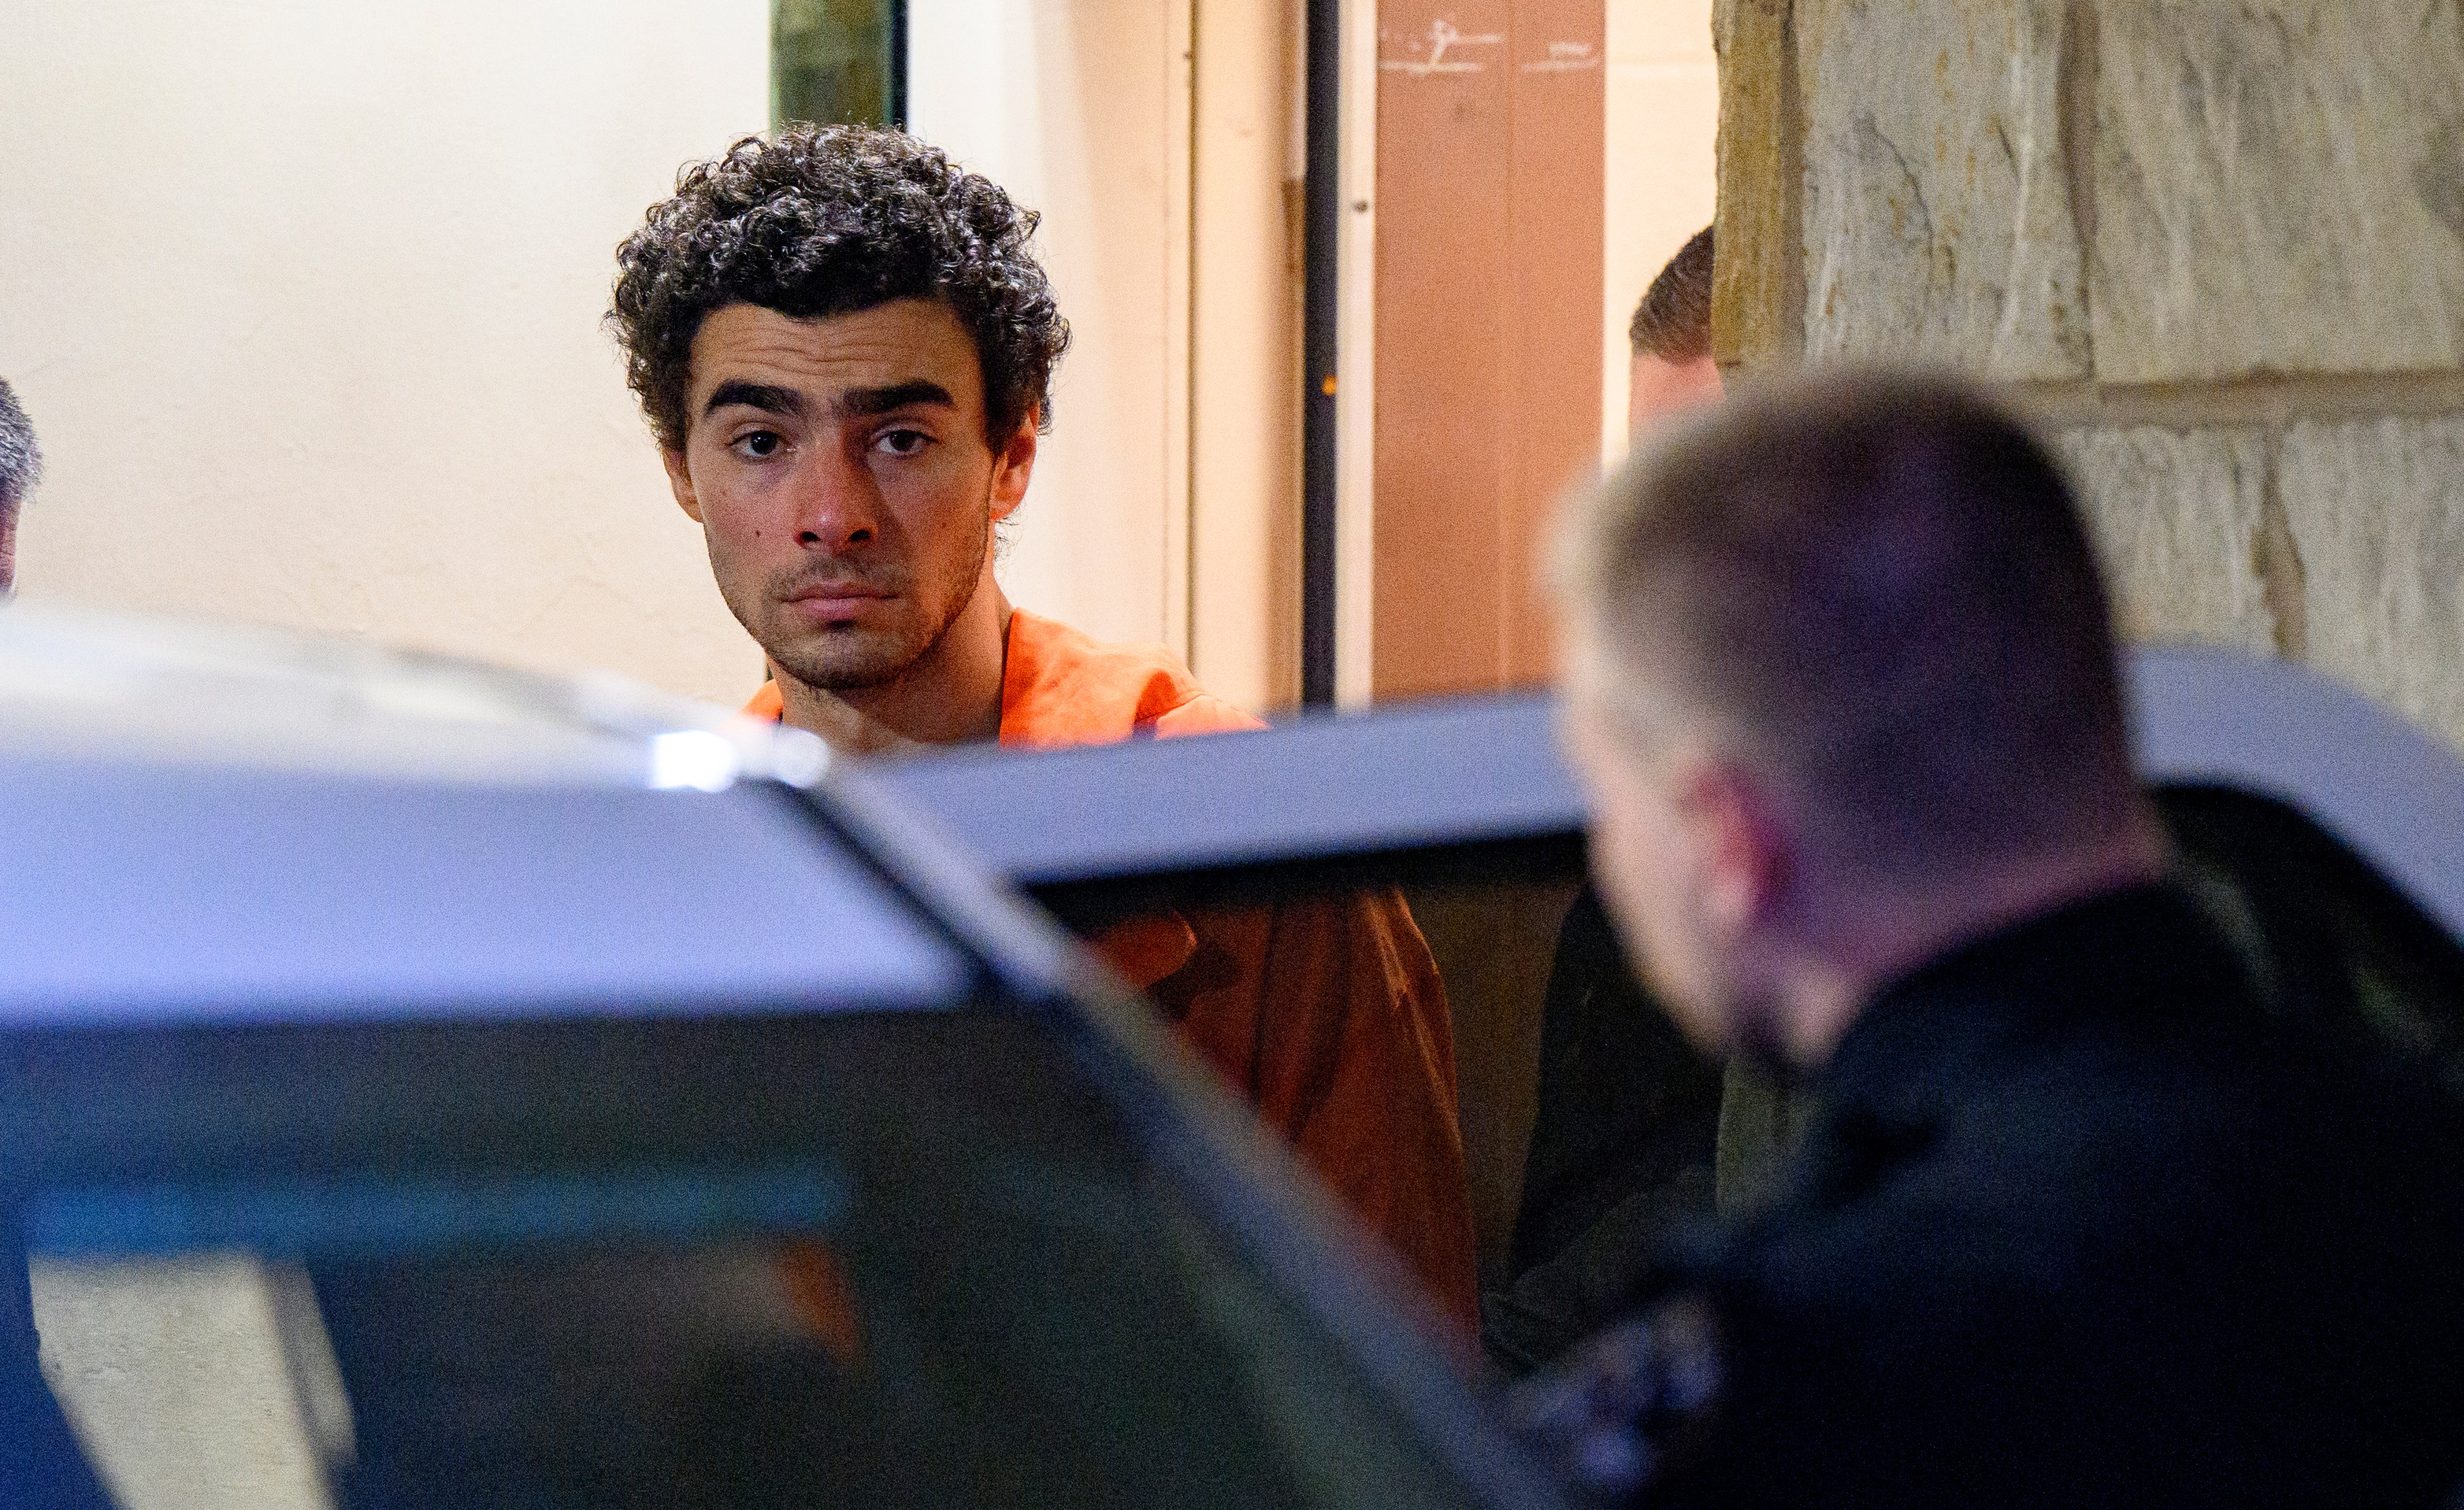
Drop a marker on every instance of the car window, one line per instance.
(2323, 933)
(892, 1259)
(1564, 1066)
(2324, 936)
(1592, 1130)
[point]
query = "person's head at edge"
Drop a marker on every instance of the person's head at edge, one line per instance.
(21, 465)
(845, 350)
(1671, 341)
(1843, 682)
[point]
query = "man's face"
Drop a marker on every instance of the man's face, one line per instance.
(1692, 852)
(838, 469)
(1640, 862)
(1662, 390)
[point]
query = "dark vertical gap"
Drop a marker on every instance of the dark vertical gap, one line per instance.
(1791, 177)
(1320, 229)
(2081, 55)
(897, 71)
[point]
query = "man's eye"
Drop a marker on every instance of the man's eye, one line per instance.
(759, 444)
(902, 442)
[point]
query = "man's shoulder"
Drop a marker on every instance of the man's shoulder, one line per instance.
(2221, 1261)
(2046, 1175)
(1063, 686)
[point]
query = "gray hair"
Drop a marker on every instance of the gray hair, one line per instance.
(21, 460)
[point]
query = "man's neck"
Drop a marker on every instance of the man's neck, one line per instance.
(952, 695)
(1895, 931)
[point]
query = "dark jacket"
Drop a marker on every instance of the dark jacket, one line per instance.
(1621, 1149)
(2078, 1221)
(1621, 1154)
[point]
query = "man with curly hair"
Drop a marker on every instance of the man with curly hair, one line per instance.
(845, 347)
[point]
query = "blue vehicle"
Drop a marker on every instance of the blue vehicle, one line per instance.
(426, 1085)
(423, 1085)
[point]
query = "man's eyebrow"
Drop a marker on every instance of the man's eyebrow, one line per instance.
(763, 396)
(858, 402)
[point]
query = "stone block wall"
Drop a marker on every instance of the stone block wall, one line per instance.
(2216, 246)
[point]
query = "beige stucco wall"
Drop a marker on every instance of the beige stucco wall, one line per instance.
(303, 299)
(1080, 108)
(1161, 138)
(1244, 493)
(1157, 138)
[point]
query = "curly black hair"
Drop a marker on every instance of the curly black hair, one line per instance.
(21, 460)
(828, 220)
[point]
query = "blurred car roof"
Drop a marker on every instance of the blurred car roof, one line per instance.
(209, 822)
(1438, 775)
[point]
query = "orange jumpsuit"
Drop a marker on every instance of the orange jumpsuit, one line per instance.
(1327, 1014)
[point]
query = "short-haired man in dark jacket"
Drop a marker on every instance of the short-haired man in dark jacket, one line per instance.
(2076, 1221)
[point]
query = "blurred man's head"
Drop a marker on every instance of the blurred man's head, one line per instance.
(1843, 683)
(21, 464)
(1671, 337)
(845, 347)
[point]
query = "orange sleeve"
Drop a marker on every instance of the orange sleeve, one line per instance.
(1329, 1018)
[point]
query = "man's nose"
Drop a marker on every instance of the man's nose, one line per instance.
(838, 507)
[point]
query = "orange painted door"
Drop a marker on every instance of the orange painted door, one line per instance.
(1490, 146)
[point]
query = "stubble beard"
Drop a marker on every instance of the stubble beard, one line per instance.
(869, 660)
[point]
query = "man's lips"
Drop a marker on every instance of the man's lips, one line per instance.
(838, 592)
(837, 600)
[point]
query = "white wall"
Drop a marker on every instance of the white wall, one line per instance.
(1244, 440)
(1081, 110)
(303, 297)
(1664, 120)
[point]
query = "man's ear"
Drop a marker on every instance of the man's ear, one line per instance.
(1013, 465)
(680, 482)
(1744, 851)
